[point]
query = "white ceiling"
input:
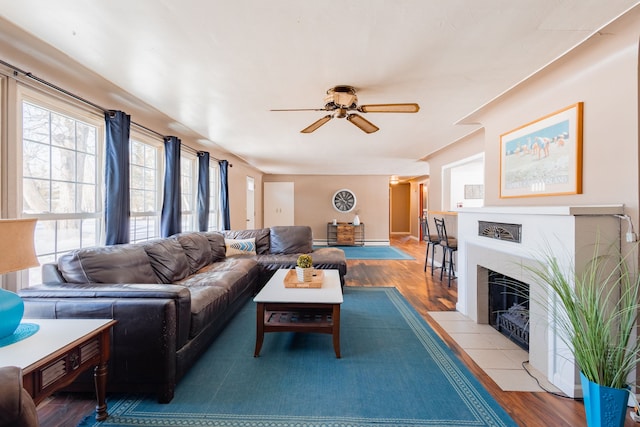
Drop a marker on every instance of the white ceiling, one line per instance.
(218, 67)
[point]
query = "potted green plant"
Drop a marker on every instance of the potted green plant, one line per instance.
(304, 268)
(597, 320)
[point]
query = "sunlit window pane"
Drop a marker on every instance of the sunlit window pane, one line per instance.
(35, 123)
(45, 237)
(36, 196)
(35, 160)
(69, 234)
(63, 131)
(188, 181)
(86, 168)
(86, 138)
(144, 178)
(86, 198)
(214, 191)
(89, 234)
(60, 181)
(64, 164)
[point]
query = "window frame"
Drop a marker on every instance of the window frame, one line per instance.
(79, 113)
(213, 223)
(140, 137)
(188, 225)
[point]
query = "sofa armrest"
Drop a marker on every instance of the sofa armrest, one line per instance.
(46, 300)
(153, 324)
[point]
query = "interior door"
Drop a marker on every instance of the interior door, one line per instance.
(251, 204)
(278, 203)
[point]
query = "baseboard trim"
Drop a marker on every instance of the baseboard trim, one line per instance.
(323, 242)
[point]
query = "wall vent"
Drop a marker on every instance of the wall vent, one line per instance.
(500, 231)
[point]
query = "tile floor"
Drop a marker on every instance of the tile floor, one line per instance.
(499, 357)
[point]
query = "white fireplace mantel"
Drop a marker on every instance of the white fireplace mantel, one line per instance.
(548, 210)
(570, 232)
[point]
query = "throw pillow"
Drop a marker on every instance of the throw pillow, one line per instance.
(240, 246)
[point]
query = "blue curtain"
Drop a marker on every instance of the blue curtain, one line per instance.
(170, 221)
(224, 195)
(203, 191)
(117, 198)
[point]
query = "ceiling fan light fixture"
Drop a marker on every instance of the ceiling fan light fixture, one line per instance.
(315, 125)
(341, 97)
(362, 123)
(341, 113)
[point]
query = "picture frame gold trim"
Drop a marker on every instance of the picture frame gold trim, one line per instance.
(543, 157)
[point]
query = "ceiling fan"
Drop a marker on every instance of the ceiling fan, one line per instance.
(341, 100)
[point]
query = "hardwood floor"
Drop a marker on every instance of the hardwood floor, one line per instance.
(425, 293)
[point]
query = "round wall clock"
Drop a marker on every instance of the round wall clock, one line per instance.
(344, 200)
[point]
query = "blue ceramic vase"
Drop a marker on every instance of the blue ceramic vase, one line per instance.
(11, 311)
(604, 406)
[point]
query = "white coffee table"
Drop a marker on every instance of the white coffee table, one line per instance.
(308, 310)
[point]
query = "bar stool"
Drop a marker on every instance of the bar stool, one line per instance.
(432, 241)
(449, 246)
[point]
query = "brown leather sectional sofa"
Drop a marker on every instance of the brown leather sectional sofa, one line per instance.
(171, 296)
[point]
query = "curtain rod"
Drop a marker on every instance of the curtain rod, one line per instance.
(32, 76)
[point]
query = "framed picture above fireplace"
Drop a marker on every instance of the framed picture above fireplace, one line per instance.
(544, 157)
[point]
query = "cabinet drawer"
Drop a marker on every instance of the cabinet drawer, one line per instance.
(346, 235)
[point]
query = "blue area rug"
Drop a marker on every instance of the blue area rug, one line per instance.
(394, 371)
(374, 252)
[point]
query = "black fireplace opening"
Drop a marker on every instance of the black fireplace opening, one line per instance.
(509, 307)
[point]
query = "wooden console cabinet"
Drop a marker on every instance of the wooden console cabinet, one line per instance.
(345, 234)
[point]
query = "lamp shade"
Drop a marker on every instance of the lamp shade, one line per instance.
(16, 245)
(16, 253)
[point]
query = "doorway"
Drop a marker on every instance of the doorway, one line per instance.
(251, 203)
(463, 183)
(400, 201)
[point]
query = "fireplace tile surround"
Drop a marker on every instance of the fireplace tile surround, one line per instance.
(569, 232)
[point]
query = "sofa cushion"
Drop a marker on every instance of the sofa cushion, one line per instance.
(168, 259)
(261, 235)
(207, 304)
(216, 286)
(216, 242)
(240, 246)
(196, 248)
(291, 239)
(107, 264)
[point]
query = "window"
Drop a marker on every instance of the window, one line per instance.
(60, 179)
(189, 185)
(214, 197)
(145, 179)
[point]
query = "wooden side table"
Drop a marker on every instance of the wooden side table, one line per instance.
(60, 351)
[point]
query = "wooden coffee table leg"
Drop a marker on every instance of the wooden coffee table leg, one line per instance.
(100, 376)
(336, 329)
(259, 329)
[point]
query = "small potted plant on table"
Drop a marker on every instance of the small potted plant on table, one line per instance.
(304, 268)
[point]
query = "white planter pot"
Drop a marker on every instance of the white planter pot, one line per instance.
(304, 274)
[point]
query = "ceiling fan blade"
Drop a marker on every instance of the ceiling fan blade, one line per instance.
(389, 108)
(302, 109)
(362, 123)
(315, 125)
